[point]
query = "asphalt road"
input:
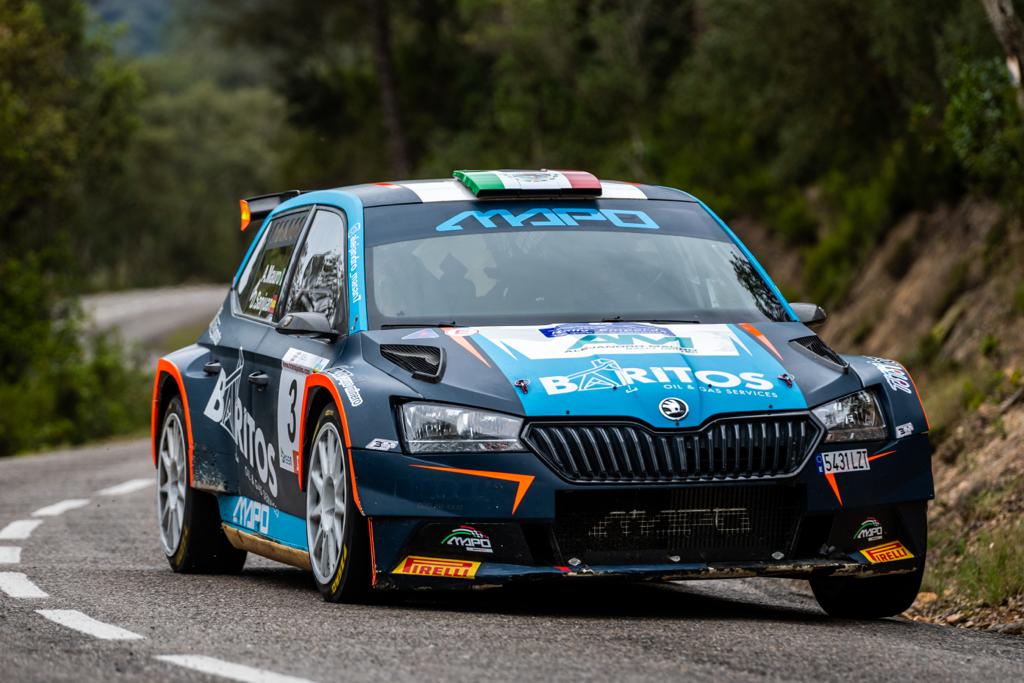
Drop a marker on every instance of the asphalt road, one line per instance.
(143, 316)
(102, 563)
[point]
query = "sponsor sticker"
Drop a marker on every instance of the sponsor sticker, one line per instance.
(295, 365)
(415, 565)
(347, 381)
(226, 409)
(214, 330)
(895, 376)
(425, 333)
(870, 530)
(605, 373)
(547, 217)
(838, 462)
(251, 515)
(904, 430)
(382, 445)
(469, 539)
(893, 551)
(615, 339)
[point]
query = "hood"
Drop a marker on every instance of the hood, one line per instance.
(668, 375)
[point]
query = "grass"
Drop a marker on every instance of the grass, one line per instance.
(994, 571)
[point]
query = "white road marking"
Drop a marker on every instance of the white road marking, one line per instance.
(9, 554)
(19, 530)
(127, 487)
(83, 623)
(236, 672)
(17, 585)
(61, 507)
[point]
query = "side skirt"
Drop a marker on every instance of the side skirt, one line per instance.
(269, 549)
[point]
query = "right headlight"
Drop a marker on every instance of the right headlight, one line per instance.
(856, 417)
(443, 428)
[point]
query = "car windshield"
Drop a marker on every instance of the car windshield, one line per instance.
(497, 266)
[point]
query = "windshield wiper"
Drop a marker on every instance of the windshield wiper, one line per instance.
(618, 318)
(396, 326)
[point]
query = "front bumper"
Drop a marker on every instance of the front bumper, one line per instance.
(538, 526)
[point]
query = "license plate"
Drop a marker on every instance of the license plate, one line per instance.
(837, 462)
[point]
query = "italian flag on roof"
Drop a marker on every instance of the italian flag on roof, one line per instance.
(494, 183)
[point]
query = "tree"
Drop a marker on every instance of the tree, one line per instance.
(1010, 31)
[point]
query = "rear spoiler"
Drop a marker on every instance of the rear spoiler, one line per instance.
(258, 208)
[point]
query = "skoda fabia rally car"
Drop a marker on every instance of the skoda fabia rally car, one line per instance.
(515, 376)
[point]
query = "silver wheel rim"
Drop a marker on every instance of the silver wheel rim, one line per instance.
(171, 481)
(325, 503)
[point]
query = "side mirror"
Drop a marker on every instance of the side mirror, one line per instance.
(313, 324)
(810, 314)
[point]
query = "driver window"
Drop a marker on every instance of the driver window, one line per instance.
(319, 271)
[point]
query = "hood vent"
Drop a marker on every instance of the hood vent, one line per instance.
(821, 350)
(424, 362)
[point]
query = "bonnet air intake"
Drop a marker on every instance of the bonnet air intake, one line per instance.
(424, 362)
(820, 349)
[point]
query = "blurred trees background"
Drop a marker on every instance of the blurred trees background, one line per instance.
(128, 129)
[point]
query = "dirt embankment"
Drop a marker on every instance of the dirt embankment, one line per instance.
(944, 294)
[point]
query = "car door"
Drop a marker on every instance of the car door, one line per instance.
(254, 302)
(316, 283)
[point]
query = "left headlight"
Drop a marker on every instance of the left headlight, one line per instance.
(438, 428)
(856, 417)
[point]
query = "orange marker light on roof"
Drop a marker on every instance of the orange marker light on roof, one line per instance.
(246, 214)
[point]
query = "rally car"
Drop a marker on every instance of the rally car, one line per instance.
(513, 376)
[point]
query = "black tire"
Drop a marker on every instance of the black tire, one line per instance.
(202, 547)
(350, 580)
(869, 598)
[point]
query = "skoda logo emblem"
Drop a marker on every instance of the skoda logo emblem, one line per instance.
(674, 408)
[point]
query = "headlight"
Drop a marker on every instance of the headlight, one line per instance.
(853, 418)
(437, 428)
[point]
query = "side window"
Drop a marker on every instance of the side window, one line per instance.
(260, 286)
(318, 277)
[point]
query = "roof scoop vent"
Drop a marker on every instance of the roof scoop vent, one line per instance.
(424, 362)
(815, 345)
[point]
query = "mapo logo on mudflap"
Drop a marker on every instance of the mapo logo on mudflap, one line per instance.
(469, 539)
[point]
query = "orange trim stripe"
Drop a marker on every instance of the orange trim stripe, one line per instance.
(927, 423)
(164, 366)
(462, 341)
(373, 555)
(831, 477)
(876, 456)
(523, 481)
(759, 336)
(318, 379)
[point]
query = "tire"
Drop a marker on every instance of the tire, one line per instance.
(189, 520)
(870, 598)
(336, 532)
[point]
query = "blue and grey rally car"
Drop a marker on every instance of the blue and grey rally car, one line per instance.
(531, 375)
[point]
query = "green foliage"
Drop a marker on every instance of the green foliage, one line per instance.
(985, 128)
(1018, 298)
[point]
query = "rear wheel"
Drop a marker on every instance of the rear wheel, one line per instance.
(336, 533)
(869, 598)
(190, 530)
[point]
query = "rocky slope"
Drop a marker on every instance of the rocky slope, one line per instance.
(944, 294)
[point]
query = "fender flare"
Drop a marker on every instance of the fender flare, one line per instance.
(164, 369)
(314, 381)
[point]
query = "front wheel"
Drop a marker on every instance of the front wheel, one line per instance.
(870, 598)
(336, 533)
(190, 530)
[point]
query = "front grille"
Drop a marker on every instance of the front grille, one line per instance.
(697, 524)
(728, 448)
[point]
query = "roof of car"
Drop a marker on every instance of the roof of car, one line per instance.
(451, 190)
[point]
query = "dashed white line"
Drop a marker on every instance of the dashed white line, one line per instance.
(61, 507)
(127, 487)
(17, 585)
(19, 530)
(83, 623)
(236, 672)
(9, 554)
